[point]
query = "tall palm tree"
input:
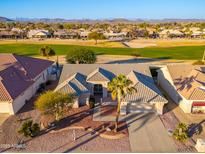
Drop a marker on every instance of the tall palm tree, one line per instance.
(119, 87)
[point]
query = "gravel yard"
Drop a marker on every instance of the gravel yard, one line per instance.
(170, 121)
(63, 142)
(61, 138)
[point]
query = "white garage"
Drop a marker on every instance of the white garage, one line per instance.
(20, 78)
(184, 84)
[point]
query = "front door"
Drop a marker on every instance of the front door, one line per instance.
(98, 89)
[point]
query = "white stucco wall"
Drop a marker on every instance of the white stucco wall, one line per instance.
(19, 102)
(5, 107)
(159, 106)
(83, 98)
(165, 82)
(186, 105)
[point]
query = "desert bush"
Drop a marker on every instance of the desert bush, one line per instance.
(54, 103)
(181, 132)
(92, 103)
(29, 129)
(48, 82)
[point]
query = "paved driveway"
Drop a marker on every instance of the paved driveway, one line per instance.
(147, 134)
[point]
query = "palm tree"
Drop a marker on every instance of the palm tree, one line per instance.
(119, 87)
(47, 51)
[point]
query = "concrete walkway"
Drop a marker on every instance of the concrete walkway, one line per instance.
(147, 134)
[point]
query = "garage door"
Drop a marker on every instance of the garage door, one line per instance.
(198, 107)
(140, 108)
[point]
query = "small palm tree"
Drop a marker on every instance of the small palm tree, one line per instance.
(47, 51)
(119, 87)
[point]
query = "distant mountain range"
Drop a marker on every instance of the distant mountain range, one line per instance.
(116, 20)
(3, 19)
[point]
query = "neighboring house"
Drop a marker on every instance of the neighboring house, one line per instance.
(63, 34)
(140, 33)
(84, 35)
(17, 30)
(39, 34)
(20, 78)
(20, 33)
(98, 30)
(185, 84)
(197, 34)
(115, 36)
(88, 80)
(171, 33)
(9, 35)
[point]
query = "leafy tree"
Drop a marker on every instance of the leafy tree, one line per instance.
(54, 103)
(29, 129)
(181, 132)
(120, 87)
(69, 26)
(59, 26)
(47, 51)
(96, 36)
(81, 56)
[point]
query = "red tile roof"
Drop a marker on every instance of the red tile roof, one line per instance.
(17, 73)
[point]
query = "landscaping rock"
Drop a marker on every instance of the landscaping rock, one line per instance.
(108, 129)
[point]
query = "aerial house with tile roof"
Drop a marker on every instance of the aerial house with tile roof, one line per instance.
(185, 84)
(20, 78)
(86, 80)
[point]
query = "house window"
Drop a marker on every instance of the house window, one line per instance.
(98, 89)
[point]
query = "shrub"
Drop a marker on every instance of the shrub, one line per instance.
(54, 103)
(81, 56)
(29, 129)
(48, 82)
(92, 103)
(41, 87)
(47, 51)
(181, 132)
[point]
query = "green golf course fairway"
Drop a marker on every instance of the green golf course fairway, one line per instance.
(179, 53)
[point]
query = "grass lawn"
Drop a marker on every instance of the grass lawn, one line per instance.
(181, 53)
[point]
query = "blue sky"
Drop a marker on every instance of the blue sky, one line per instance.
(101, 9)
